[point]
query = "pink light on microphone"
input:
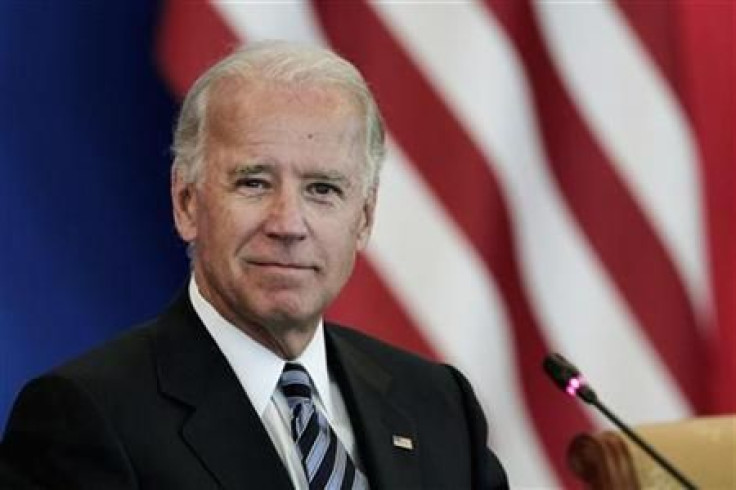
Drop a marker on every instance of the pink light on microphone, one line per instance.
(574, 385)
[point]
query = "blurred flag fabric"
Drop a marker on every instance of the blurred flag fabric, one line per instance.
(560, 178)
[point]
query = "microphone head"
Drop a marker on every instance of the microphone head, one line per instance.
(559, 369)
(567, 377)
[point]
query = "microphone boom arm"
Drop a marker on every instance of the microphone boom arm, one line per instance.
(568, 378)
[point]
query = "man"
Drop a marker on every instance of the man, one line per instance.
(240, 384)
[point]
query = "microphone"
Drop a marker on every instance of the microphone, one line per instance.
(569, 379)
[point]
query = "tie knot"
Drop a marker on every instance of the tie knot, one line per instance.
(295, 383)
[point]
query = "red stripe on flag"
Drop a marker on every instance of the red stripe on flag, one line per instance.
(655, 24)
(613, 222)
(693, 44)
(191, 37)
(457, 172)
(367, 303)
(707, 31)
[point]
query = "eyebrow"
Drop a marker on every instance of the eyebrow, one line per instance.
(251, 169)
(329, 176)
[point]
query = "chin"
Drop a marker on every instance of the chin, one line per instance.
(297, 304)
(289, 316)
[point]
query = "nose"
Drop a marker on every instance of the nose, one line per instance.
(285, 220)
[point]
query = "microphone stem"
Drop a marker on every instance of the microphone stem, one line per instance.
(644, 446)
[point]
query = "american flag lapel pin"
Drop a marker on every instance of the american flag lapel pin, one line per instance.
(403, 442)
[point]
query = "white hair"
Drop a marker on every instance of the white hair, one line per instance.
(277, 61)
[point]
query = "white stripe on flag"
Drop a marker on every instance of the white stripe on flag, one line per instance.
(253, 21)
(569, 288)
(638, 121)
(442, 284)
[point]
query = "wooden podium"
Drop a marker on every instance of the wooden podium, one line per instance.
(704, 449)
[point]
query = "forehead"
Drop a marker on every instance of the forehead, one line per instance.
(239, 107)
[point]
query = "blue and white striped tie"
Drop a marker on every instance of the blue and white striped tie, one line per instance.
(326, 462)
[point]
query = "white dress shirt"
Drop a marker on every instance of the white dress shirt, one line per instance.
(258, 370)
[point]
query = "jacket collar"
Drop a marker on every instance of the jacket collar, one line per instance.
(222, 429)
(226, 433)
(377, 420)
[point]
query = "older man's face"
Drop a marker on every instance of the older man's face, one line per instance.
(279, 211)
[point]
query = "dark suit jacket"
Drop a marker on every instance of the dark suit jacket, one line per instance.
(160, 408)
(11, 479)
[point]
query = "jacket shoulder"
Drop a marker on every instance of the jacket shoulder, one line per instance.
(379, 349)
(410, 370)
(129, 357)
(128, 354)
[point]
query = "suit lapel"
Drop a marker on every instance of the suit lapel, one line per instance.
(223, 429)
(376, 420)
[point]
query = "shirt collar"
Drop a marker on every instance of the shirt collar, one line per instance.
(257, 368)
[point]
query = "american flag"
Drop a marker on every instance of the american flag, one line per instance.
(560, 177)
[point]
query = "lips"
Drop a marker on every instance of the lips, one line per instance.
(286, 266)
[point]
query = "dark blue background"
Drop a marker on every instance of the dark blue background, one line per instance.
(88, 246)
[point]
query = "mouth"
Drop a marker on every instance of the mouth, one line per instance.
(283, 266)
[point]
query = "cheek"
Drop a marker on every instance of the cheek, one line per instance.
(344, 245)
(219, 230)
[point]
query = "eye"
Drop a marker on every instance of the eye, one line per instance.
(252, 183)
(324, 189)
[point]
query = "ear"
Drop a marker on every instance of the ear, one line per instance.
(366, 221)
(184, 203)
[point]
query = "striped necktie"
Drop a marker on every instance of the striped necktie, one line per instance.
(326, 462)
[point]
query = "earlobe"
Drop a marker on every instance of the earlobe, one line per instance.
(184, 203)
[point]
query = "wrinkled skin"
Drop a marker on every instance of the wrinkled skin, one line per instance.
(279, 211)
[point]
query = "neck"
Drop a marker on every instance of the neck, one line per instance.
(287, 343)
(283, 336)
